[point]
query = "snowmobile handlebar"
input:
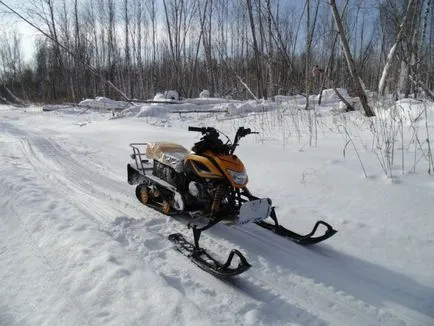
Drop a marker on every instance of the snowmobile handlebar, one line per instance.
(202, 130)
(207, 132)
(241, 132)
(196, 129)
(211, 139)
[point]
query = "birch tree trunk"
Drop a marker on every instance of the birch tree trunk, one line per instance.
(270, 51)
(153, 15)
(127, 54)
(308, 55)
(139, 17)
(392, 51)
(257, 55)
(350, 62)
(202, 18)
(206, 33)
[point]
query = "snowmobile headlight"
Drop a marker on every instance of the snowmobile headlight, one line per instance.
(240, 178)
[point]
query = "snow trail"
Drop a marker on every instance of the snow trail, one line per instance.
(104, 258)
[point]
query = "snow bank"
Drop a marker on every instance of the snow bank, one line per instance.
(245, 108)
(329, 96)
(205, 94)
(414, 109)
(329, 100)
(5, 107)
(104, 103)
(167, 95)
(294, 99)
(407, 110)
(145, 110)
(210, 101)
(196, 105)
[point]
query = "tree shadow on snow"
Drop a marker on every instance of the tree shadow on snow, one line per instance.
(7, 318)
(373, 284)
(370, 283)
(276, 309)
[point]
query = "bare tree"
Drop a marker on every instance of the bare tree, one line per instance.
(230, 47)
(308, 54)
(350, 62)
(206, 37)
(270, 56)
(127, 61)
(256, 53)
(178, 17)
(392, 51)
(152, 12)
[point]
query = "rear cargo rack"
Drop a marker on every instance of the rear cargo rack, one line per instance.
(139, 156)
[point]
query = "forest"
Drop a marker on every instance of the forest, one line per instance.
(130, 128)
(240, 49)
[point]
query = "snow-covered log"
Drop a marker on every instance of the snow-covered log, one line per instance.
(7, 97)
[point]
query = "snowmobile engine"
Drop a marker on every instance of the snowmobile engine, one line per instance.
(166, 173)
(196, 190)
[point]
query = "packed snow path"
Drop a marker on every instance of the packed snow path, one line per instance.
(77, 248)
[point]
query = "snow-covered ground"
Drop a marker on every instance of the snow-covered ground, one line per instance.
(77, 248)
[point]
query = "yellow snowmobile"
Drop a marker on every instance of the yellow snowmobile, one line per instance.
(208, 182)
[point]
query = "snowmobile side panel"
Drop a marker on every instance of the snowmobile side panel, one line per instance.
(203, 167)
(134, 176)
(162, 183)
(170, 154)
(206, 262)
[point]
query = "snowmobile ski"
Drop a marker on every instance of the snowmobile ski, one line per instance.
(206, 262)
(304, 240)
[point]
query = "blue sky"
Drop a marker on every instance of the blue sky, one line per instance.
(28, 34)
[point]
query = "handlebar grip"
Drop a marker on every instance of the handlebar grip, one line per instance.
(198, 129)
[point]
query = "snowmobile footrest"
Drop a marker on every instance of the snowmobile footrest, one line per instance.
(205, 261)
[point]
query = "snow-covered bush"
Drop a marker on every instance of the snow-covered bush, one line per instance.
(167, 95)
(104, 103)
(205, 94)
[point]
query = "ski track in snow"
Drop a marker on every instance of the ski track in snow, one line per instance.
(57, 258)
(310, 286)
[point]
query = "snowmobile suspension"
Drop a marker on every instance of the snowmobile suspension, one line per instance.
(198, 231)
(219, 193)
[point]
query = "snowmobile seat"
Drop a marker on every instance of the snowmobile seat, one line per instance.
(167, 153)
